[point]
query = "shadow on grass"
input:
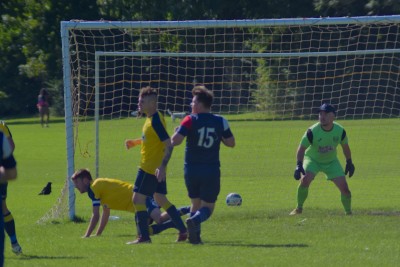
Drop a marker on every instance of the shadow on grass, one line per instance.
(38, 257)
(233, 244)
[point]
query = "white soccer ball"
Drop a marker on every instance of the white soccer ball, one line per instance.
(233, 199)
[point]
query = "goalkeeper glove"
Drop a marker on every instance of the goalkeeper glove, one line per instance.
(349, 168)
(299, 169)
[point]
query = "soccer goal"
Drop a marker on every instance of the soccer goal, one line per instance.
(261, 71)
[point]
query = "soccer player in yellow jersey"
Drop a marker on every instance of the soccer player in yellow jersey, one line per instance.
(113, 194)
(317, 153)
(155, 148)
(9, 222)
(8, 171)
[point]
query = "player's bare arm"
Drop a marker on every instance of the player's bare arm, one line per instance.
(301, 150)
(93, 221)
(177, 139)
(229, 142)
(161, 171)
(103, 221)
(7, 174)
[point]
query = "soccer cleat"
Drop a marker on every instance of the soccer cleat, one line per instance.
(139, 240)
(296, 211)
(348, 213)
(192, 227)
(16, 248)
(182, 237)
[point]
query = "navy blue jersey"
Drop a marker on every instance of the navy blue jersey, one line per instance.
(204, 132)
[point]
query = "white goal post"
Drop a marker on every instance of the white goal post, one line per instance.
(269, 69)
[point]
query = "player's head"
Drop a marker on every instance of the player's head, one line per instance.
(327, 114)
(147, 100)
(82, 179)
(43, 92)
(202, 99)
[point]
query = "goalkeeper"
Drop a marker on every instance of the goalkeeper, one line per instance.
(117, 195)
(317, 153)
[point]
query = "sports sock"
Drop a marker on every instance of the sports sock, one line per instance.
(201, 215)
(141, 216)
(175, 217)
(9, 226)
(158, 228)
(184, 210)
(346, 201)
(302, 193)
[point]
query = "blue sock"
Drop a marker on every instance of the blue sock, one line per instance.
(158, 228)
(176, 218)
(201, 215)
(184, 210)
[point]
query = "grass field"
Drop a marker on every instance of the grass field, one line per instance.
(258, 233)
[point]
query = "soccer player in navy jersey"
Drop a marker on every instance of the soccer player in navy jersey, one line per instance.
(155, 146)
(8, 171)
(205, 132)
(9, 222)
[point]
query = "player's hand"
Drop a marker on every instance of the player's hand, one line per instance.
(299, 170)
(161, 174)
(349, 168)
(129, 143)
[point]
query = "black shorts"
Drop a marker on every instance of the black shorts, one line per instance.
(3, 190)
(203, 181)
(147, 184)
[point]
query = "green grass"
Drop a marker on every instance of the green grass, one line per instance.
(258, 233)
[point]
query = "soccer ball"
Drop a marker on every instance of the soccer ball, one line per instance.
(233, 199)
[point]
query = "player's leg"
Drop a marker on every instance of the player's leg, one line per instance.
(47, 116)
(208, 188)
(345, 196)
(9, 227)
(2, 237)
(302, 192)
(144, 187)
(9, 223)
(161, 199)
(41, 114)
(335, 173)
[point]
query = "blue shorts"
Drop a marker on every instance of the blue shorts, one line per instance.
(3, 190)
(151, 204)
(147, 184)
(203, 181)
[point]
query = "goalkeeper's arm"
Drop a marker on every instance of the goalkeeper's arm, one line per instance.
(299, 166)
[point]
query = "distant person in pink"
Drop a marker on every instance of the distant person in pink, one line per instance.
(43, 107)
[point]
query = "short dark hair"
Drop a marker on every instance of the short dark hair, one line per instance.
(204, 95)
(148, 91)
(82, 173)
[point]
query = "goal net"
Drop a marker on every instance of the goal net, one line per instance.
(268, 76)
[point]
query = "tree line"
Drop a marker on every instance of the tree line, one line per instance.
(30, 42)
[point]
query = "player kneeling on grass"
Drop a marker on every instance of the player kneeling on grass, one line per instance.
(115, 194)
(318, 150)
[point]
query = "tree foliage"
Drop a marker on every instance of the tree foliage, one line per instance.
(30, 46)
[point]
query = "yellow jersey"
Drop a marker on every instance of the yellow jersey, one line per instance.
(112, 193)
(4, 129)
(154, 133)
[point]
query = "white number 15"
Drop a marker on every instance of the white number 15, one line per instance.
(206, 139)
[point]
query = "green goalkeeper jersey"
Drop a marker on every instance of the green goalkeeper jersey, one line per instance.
(321, 145)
